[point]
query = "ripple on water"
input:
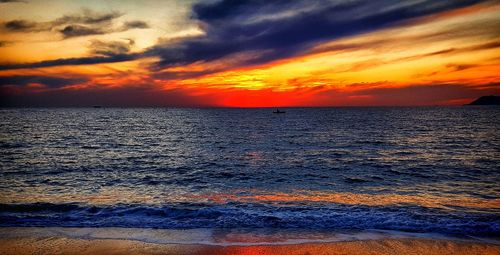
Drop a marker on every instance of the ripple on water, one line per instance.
(415, 169)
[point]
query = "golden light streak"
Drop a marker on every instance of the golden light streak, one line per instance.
(425, 200)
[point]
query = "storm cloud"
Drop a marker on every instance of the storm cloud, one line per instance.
(271, 30)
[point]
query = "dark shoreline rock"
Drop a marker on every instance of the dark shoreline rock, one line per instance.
(486, 100)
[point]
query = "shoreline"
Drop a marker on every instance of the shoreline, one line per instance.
(62, 245)
(39, 240)
(227, 237)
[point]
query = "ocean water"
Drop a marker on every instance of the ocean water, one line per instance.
(417, 170)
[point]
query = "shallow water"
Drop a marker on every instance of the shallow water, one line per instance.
(220, 237)
(425, 169)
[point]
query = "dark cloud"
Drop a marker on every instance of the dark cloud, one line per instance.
(461, 67)
(135, 24)
(484, 46)
(280, 29)
(179, 75)
(49, 81)
(20, 25)
(103, 52)
(74, 61)
(88, 17)
(79, 30)
(112, 48)
(83, 24)
(449, 51)
(108, 97)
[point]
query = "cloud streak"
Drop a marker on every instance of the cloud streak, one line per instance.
(101, 51)
(83, 24)
(74, 61)
(134, 24)
(49, 81)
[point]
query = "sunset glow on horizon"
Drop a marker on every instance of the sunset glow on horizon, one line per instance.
(248, 53)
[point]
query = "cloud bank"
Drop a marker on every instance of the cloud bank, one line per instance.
(261, 31)
(272, 30)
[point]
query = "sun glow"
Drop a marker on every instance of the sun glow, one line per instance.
(457, 49)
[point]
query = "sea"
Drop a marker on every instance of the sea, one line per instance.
(416, 170)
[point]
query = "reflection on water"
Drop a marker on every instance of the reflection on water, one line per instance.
(348, 198)
(104, 196)
(413, 169)
(109, 196)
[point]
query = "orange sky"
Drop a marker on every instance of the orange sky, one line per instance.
(445, 58)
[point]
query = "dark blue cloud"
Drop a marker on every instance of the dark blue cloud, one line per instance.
(74, 61)
(272, 30)
(49, 81)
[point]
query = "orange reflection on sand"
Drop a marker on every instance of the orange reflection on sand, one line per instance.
(425, 200)
(64, 245)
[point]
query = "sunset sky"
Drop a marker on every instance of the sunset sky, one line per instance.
(248, 53)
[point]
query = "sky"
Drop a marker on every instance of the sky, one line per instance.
(248, 53)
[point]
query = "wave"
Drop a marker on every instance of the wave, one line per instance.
(232, 215)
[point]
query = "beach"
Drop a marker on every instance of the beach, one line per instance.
(39, 240)
(61, 245)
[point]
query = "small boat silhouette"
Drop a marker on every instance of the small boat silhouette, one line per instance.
(278, 111)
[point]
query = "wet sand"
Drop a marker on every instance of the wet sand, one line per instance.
(64, 245)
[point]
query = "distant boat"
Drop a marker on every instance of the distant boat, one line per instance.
(278, 111)
(97, 106)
